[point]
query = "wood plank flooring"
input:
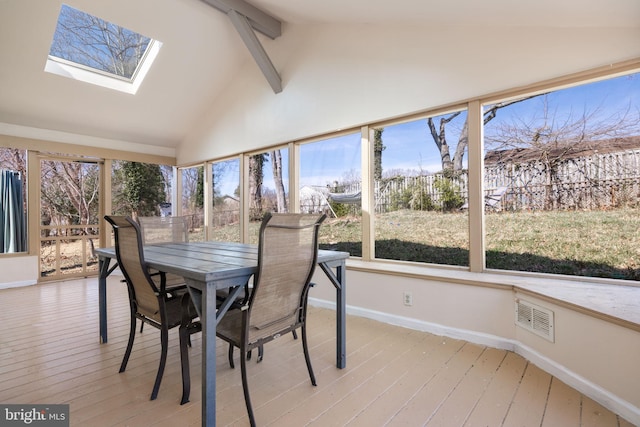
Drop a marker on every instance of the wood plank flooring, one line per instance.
(50, 352)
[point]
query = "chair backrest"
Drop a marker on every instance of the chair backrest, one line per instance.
(157, 229)
(287, 254)
(130, 256)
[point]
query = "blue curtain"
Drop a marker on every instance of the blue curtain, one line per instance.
(13, 233)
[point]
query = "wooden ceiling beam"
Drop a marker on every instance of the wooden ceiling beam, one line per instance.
(259, 20)
(247, 19)
(250, 39)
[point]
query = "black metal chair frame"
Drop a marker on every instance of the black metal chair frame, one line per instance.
(269, 331)
(170, 300)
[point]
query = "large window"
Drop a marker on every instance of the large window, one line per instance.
(225, 211)
(13, 214)
(268, 186)
(141, 189)
(69, 216)
(562, 181)
(193, 200)
(420, 174)
(560, 184)
(331, 182)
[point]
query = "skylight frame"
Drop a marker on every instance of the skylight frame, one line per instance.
(88, 74)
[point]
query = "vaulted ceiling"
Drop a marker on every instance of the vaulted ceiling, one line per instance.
(203, 49)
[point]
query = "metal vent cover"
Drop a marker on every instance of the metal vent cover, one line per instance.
(534, 318)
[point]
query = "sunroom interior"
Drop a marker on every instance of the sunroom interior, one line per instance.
(318, 83)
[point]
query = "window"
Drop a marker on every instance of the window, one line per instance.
(420, 173)
(226, 201)
(13, 219)
(193, 200)
(562, 181)
(141, 189)
(69, 216)
(268, 186)
(95, 51)
(331, 182)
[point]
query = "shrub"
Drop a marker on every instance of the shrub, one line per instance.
(340, 209)
(449, 196)
(414, 197)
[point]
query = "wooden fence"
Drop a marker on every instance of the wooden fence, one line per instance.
(594, 182)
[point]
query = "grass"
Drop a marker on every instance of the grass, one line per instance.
(581, 243)
(589, 243)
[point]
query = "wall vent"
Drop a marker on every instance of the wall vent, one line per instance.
(535, 319)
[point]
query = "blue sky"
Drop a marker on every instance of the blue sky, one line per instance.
(409, 146)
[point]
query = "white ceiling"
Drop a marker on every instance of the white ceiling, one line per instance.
(201, 53)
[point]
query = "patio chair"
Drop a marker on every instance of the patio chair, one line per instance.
(151, 301)
(156, 229)
(170, 229)
(277, 304)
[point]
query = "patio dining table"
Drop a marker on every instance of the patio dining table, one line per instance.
(207, 267)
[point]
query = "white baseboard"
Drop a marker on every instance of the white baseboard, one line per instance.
(17, 284)
(615, 404)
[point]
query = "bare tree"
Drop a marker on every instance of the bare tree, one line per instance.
(256, 163)
(13, 159)
(91, 41)
(276, 160)
(547, 140)
(452, 165)
(190, 177)
(70, 191)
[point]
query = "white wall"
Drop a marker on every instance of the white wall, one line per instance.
(337, 77)
(18, 271)
(595, 356)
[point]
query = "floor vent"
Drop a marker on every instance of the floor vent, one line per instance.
(534, 318)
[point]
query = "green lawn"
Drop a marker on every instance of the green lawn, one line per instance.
(582, 243)
(585, 243)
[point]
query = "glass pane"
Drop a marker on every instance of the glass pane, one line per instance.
(13, 190)
(268, 187)
(226, 201)
(193, 201)
(420, 188)
(141, 189)
(330, 182)
(91, 42)
(69, 201)
(568, 162)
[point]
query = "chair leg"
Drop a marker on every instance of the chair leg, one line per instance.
(132, 335)
(185, 341)
(307, 359)
(245, 387)
(260, 354)
(231, 356)
(164, 339)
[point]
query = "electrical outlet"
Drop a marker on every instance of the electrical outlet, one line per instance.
(408, 298)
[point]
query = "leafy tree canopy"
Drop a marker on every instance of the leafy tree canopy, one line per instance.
(142, 188)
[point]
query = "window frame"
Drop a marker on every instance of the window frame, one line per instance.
(87, 74)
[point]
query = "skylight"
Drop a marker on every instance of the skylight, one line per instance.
(95, 51)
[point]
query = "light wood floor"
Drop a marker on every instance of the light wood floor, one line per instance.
(50, 353)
